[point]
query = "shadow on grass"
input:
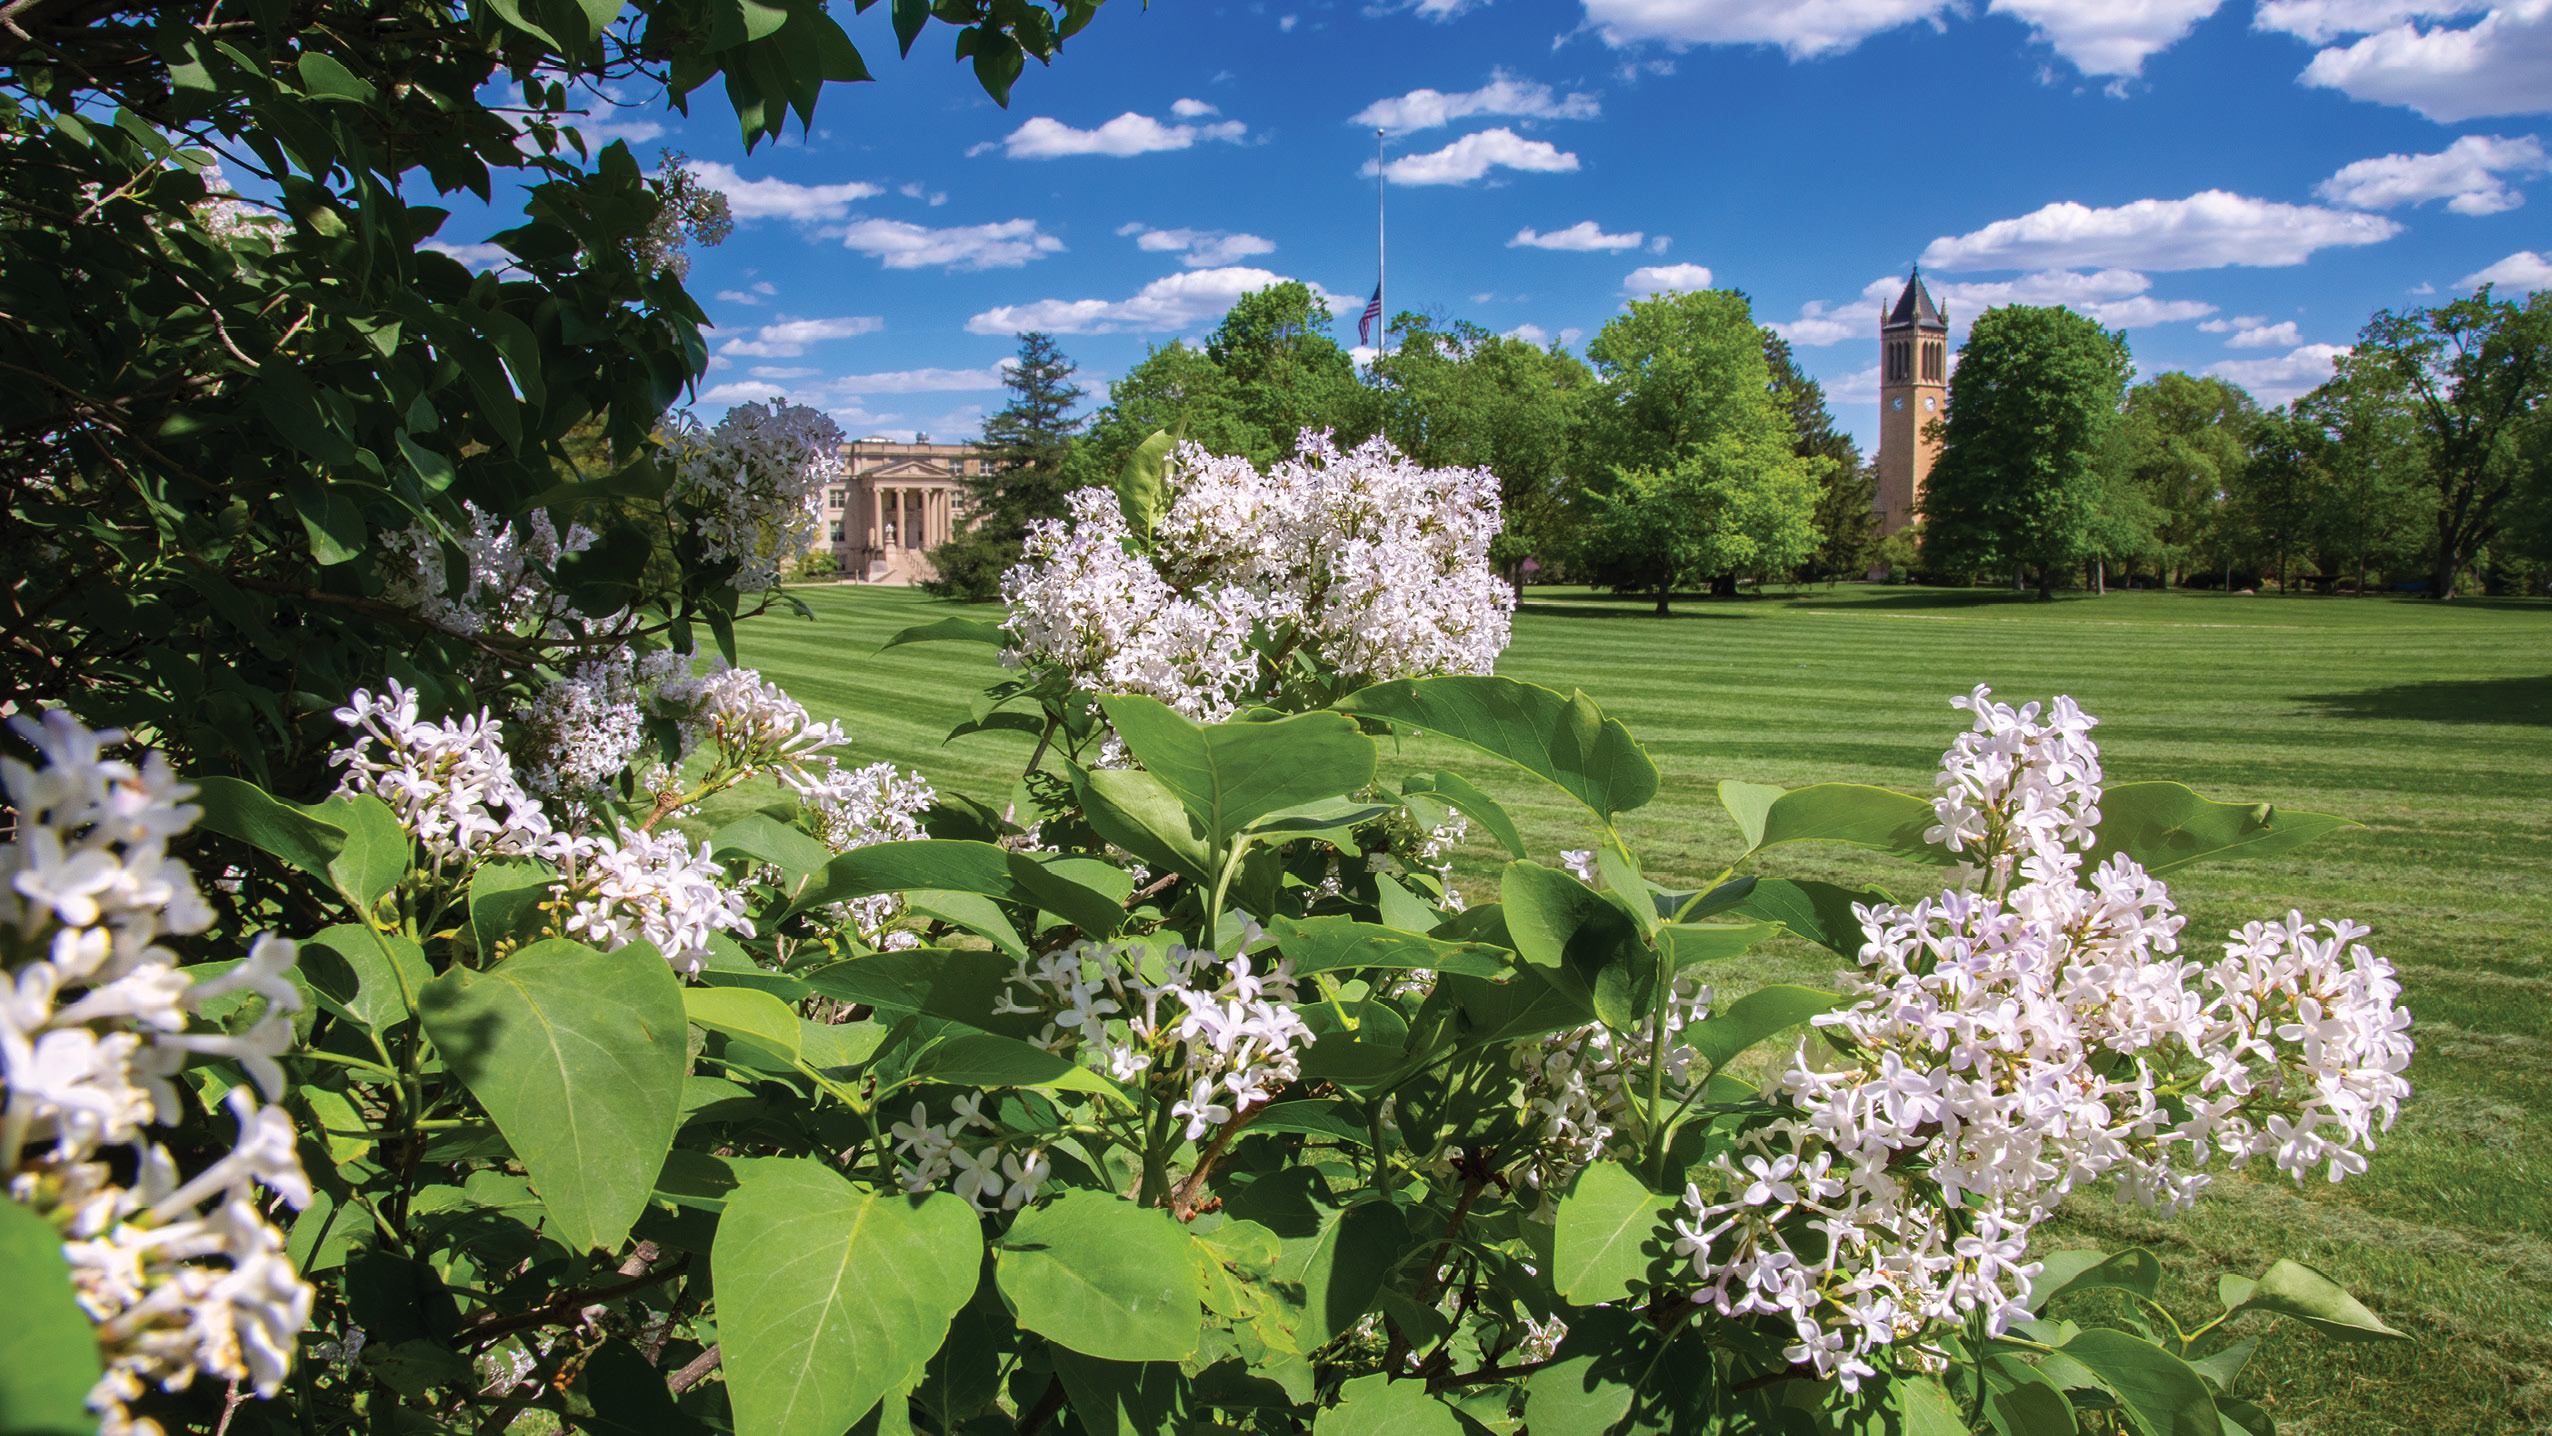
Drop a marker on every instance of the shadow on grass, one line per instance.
(1929, 598)
(2471, 700)
(1604, 605)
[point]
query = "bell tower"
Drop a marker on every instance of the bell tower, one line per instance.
(1913, 392)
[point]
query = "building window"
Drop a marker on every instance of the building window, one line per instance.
(837, 531)
(833, 500)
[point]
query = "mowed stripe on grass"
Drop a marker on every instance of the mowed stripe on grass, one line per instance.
(2430, 725)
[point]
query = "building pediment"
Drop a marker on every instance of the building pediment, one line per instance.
(910, 469)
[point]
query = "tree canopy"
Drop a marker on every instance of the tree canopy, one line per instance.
(2036, 393)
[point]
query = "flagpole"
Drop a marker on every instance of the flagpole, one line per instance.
(1381, 186)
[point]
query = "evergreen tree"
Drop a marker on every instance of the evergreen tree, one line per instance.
(2038, 390)
(1847, 528)
(1025, 477)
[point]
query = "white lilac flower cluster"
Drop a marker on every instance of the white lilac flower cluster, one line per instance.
(1226, 1034)
(453, 788)
(999, 1170)
(1578, 1089)
(853, 808)
(1367, 565)
(182, 1275)
(587, 728)
(2007, 1048)
(754, 481)
(507, 590)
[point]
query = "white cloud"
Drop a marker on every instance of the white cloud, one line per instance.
(1802, 30)
(778, 371)
(757, 295)
(2524, 270)
(2500, 64)
(2233, 324)
(777, 198)
(1285, 23)
(789, 338)
(1651, 279)
(901, 244)
(915, 189)
(1042, 138)
(2280, 335)
(1199, 248)
(920, 381)
(2108, 37)
(1502, 95)
(1530, 334)
(2465, 174)
(1816, 327)
(476, 256)
(2207, 230)
(599, 132)
(1192, 109)
(1861, 386)
(1582, 236)
(2112, 296)
(1474, 155)
(2274, 381)
(1571, 336)
(744, 391)
(2322, 21)
(1169, 303)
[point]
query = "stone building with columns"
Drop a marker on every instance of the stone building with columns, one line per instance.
(898, 502)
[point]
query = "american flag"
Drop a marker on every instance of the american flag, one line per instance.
(1373, 316)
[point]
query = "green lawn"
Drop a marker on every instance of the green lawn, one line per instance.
(2432, 726)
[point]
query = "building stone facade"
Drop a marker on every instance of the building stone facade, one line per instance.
(897, 502)
(1913, 393)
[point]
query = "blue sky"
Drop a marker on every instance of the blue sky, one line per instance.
(2239, 184)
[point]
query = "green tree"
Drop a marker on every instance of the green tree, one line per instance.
(1689, 469)
(1268, 373)
(2181, 442)
(1465, 397)
(1025, 478)
(2368, 500)
(2478, 373)
(2017, 482)
(1847, 528)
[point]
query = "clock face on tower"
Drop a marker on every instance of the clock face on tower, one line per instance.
(1930, 404)
(1897, 403)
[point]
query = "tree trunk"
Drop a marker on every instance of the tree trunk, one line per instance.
(2361, 575)
(1724, 586)
(2046, 583)
(2100, 577)
(1663, 595)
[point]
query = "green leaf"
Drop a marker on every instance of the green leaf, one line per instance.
(242, 810)
(931, 864)
(625, 1396)
(971, 911)
(1858, 814)
(954, 983)
(331, 517)
(747, 1013)
(1321, 944)
(1750, 804)
(2225, 1366)
(2167, 825)
(1137, 812)
(2291, 1288)
(1119, 1398)
(1462, 793)
(1341, 1266)
(1820, 912)
(2134, 1269)
(579, 1057)
(1752, 1018)
(829, 1297)
(376, 851)
(1687, 944)
(2159, 1391)
(598, 16)
(371, 976)
(2243, 1418)
(1062, 886)
(1558, 922)
(48, 1346)
(1565, 740)
(505, 901)
(2031, 1405)
(1227, 774)
(983, 1059)
(763, 837)
(951, 630)
(1575, 1398)
(1104, 1277)
(1376, 1405)
(1142, 486)
(1926, 1407)
(325, 78)
(1605, 1224)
